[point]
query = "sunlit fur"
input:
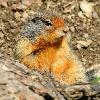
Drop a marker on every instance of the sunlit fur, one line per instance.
(51, 52)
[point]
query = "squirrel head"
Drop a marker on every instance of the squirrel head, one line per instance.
(44, 25)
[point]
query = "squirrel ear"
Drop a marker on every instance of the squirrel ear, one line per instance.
(57, 22)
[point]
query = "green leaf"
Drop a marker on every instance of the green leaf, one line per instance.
(96, 80)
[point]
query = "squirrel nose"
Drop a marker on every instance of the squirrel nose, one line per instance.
(60, 33)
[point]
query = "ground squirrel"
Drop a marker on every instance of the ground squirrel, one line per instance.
(45, 47)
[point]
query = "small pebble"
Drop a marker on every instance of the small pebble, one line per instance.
(86, 36)
(13, 24)
(80, 14)
(72, 28)
(17, 16)
(34, 77)
(3, 3)
(1, 41)
(81, 44)
(27, 2)
(95, 15)
(1, 35)
(19, 7)
(25, 15)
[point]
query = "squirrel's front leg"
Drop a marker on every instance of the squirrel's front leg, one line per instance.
(23, 48)
(24, 52)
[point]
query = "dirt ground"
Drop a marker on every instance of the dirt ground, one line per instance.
(84, 31)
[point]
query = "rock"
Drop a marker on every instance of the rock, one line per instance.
(27, 2)
(34, 77)
(13, 87)
(3, 3)
(13, 24)
(14, 7)
(25, 15)
(87, 8)
(95, 15)
(17, 16)
(31, 12)
(83, 44)
(86, 36)
(1, 41)
(19, 6)
(69, 6)
(80, 14)
(72, 28)
(97, 87)
(1, 35)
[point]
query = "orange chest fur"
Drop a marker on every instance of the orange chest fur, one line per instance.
(46, 57)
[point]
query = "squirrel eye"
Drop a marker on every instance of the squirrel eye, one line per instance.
(48, 23)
